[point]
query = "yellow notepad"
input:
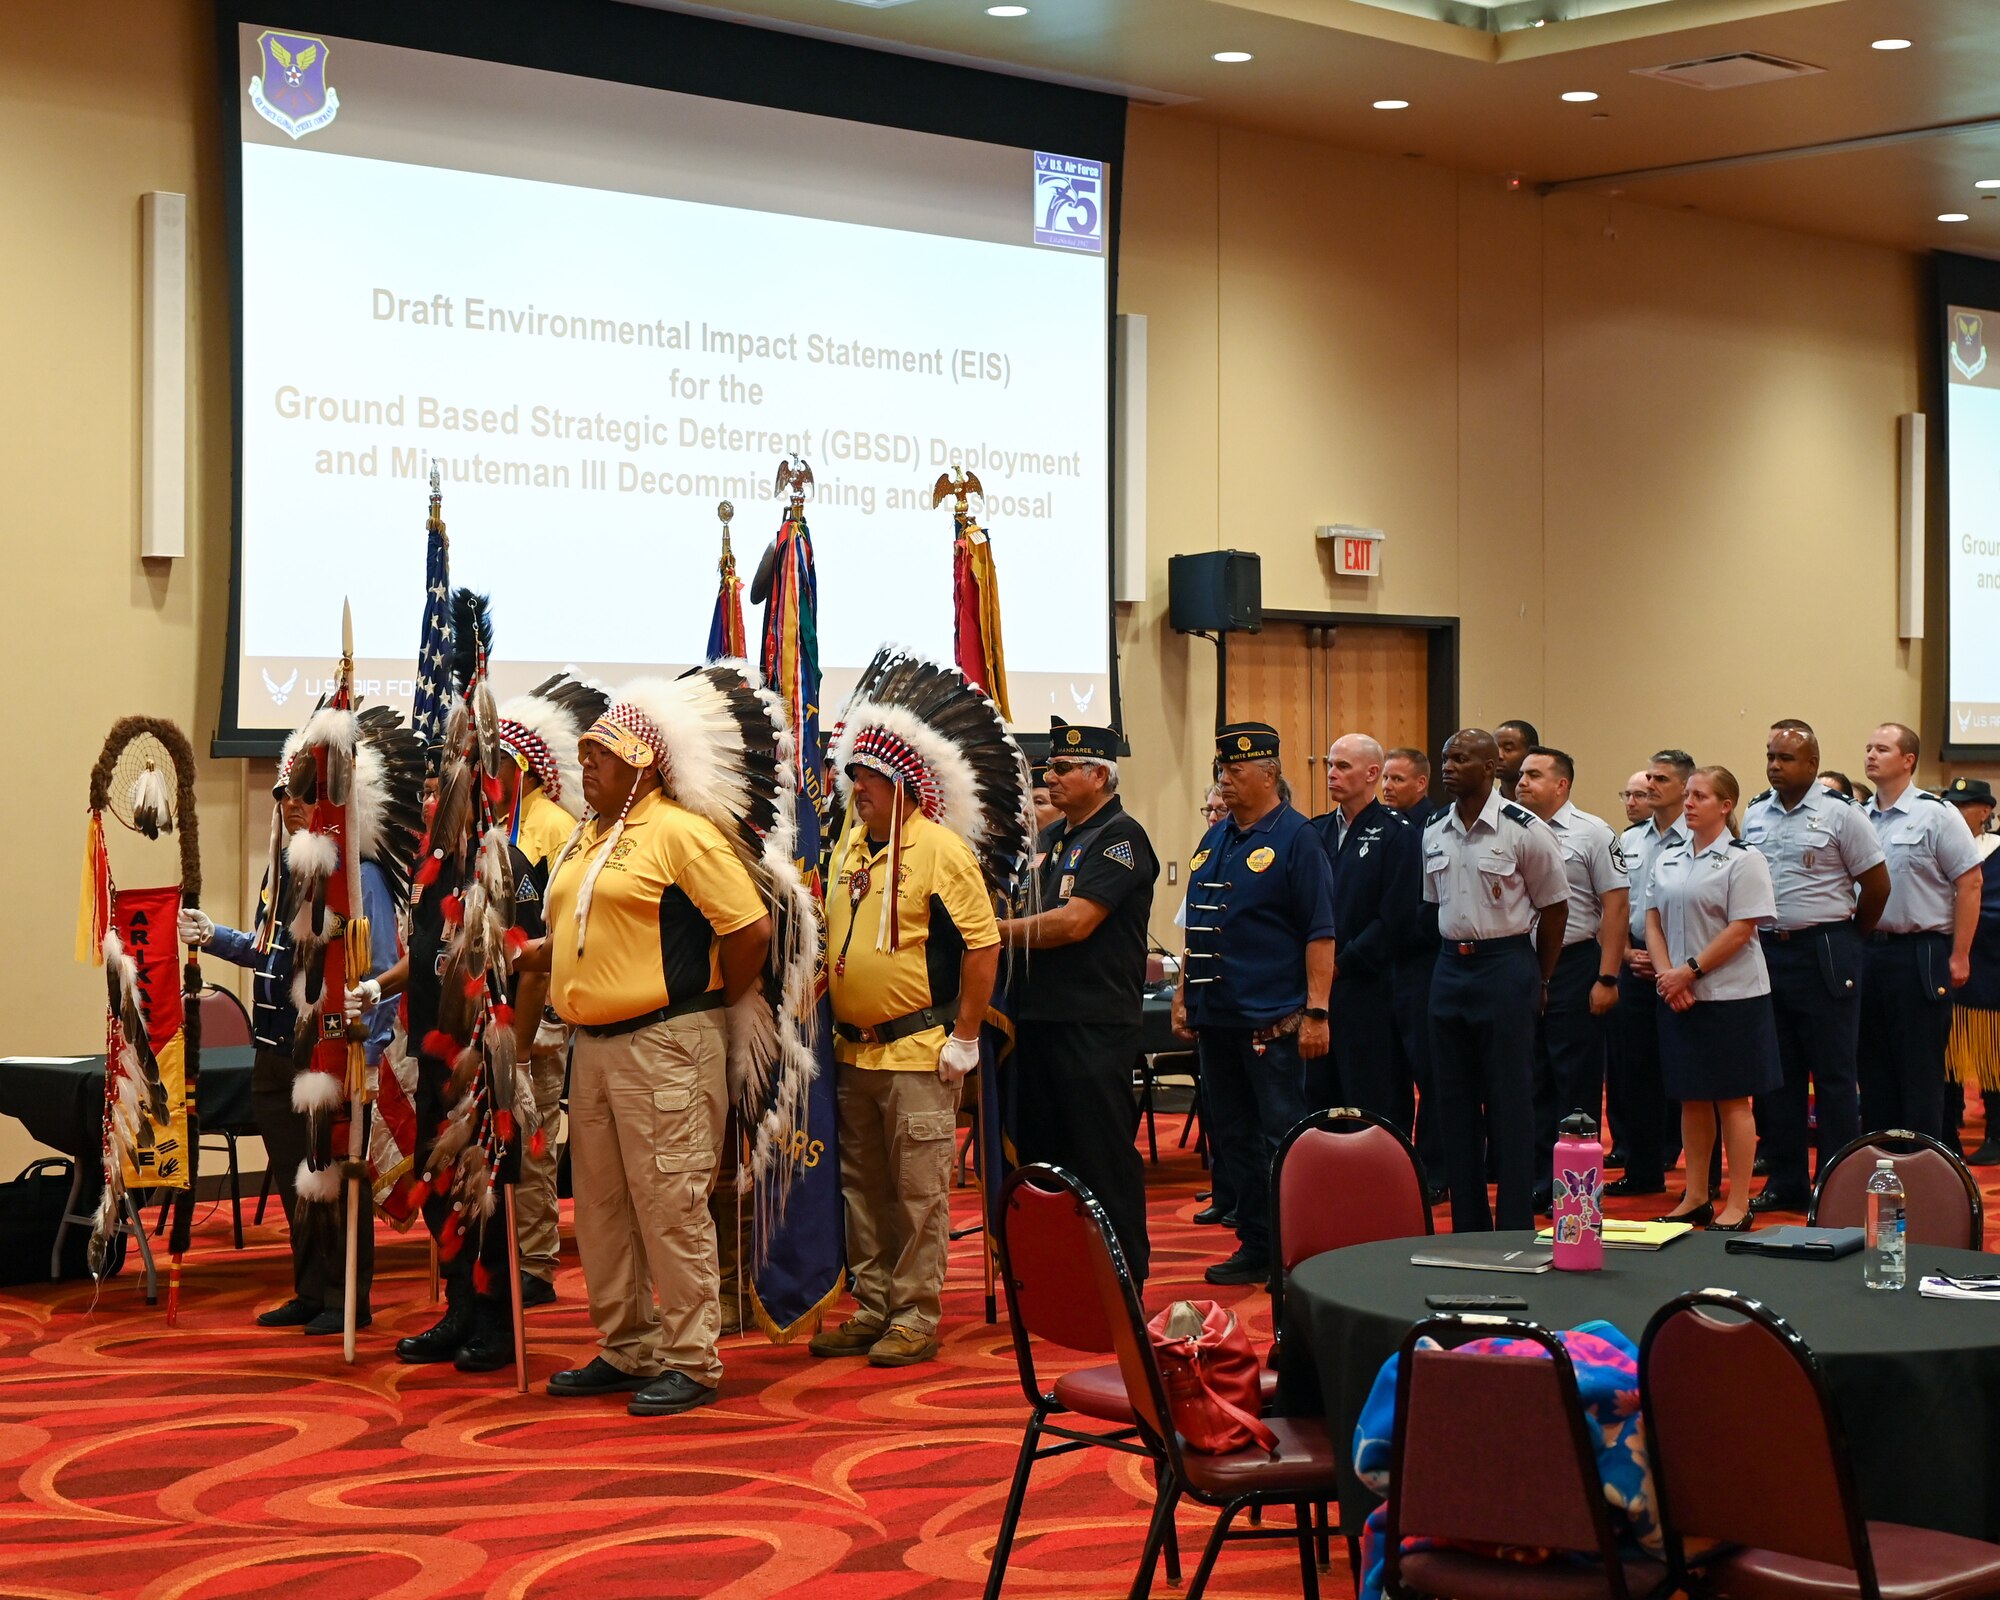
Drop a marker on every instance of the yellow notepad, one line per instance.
(1634, 1235)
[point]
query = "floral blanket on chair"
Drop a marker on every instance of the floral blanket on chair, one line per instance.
(1607, 1379)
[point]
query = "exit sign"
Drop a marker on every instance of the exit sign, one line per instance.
(1357, 552)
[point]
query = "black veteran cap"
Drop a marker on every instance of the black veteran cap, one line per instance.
(1246, 741)
(1969, 792)
(1085, 743)
(1038, 774)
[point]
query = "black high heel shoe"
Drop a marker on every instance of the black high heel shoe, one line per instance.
(1742, 1224)
(1700, 1217)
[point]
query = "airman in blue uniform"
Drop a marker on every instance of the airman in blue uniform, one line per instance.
(1254, 986)
(1493, 870)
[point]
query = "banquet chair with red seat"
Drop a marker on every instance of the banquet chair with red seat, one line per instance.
(1941, 1197)
(1299, 1471)
(1495, 1449)
(1042, 1241)
(1717, 1369)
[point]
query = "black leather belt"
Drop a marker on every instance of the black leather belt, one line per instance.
(1787, 935)
(680, 1008)
(1475, 947)
(1879, 937)
(895, 1028)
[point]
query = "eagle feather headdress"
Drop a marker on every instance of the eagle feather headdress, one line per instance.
(722, 743)
(542, 727)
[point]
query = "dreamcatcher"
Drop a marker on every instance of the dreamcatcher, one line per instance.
(144, 779)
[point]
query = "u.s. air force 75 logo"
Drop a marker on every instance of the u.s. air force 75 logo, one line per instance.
(1968, 343)
(292, 93)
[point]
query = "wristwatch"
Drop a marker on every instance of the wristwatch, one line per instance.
(1606, 980)
(1694, 966)
(1317, 1013)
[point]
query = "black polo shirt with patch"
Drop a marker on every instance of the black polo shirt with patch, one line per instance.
(1101, 979)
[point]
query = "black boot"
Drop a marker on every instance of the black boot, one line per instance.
(490, 1344)
(440, 1341)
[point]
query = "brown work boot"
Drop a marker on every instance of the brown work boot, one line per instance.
(902, 1347)
(854, 1337)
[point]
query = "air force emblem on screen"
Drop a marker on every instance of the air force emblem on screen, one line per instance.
(292, 93)
(1968, 343)
(1069, 203)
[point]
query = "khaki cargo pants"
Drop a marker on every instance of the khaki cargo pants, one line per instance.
(535, 1195)
(895, 1174)
(646, 1111)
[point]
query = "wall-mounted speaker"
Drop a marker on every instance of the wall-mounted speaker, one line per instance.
(1217, 591)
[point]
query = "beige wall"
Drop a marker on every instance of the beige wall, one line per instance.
(1653, 474)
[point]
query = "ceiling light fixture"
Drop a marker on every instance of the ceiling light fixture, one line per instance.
(1890, 44)
(1577, 97)
(1987, 183)
(1231, 57)
(1006, 11)
(1953, 216)
(1392, 105)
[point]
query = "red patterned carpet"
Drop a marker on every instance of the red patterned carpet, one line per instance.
(218, 1459)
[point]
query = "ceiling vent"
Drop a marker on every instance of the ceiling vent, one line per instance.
(1737, 71)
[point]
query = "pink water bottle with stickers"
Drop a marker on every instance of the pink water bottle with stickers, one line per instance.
(1578, 1191)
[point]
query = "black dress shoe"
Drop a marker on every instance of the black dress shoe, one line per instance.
(669, 1394)
(440, 1341)
(1543, 1200)
(1615, 1156)
(1204, 1194)
(294, 1313)
(1626, 1185)
(536, 1292)
(332, 1319)
(1987, 1155)
(600, 1377)
(490, 1344)
(1700, 1217)
(1761, 1167)
(1210, 1216)
(1773, 1200)
(1438, 1195)
(1740, 1225)
(1243, 1267)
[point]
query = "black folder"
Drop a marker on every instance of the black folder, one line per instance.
(1807, 1244)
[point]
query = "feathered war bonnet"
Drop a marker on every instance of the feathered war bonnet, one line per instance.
(927, 728)
(722, 746)
(374, 776)
(540, 729)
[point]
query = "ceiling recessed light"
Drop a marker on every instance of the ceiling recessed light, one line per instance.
(1577, 97)
(1987, 183)
(1232, 56)
(1891, 44)
(1392, 105)
(1953, 216)
(1006, 11)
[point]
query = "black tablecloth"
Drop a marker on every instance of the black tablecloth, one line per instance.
(1916, 1382)
(62, 1102)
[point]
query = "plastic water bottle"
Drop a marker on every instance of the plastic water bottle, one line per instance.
(1887, 1262)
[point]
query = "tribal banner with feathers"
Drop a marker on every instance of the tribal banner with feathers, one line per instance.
(975, 593)
(144, 778)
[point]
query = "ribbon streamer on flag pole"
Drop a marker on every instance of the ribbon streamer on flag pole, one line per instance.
(726, 638)
(975, 593)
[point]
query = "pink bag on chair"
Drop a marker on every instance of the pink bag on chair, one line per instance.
(1211, 1376)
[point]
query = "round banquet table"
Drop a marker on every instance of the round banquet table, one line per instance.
(1916, 1382)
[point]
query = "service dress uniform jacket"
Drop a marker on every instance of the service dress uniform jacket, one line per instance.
(1378, 908)
(1906, 984)
(1488, 881)
(1814, 952)
(1078, 1017)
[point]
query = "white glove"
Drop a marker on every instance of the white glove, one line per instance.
(363, 998)
(957, 1058)
(193, 927)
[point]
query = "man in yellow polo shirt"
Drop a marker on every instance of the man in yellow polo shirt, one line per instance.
(543, 787)
(654, 927)
(911, 971)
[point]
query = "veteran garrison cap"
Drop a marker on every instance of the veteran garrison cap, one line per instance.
(1246, 741)
(1080, 741)
(1969, 792)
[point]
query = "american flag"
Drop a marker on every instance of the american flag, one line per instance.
(433, 693)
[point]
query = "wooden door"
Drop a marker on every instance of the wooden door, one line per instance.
(1314, 683)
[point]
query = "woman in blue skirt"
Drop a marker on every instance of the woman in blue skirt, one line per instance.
(1718, 1038)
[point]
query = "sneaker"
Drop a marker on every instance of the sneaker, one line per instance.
(854, 1337)
(332, 1319)
(1243, 1267)
(294, 1313)
(536, 1292)
(668, 1395)
(903, 1347)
